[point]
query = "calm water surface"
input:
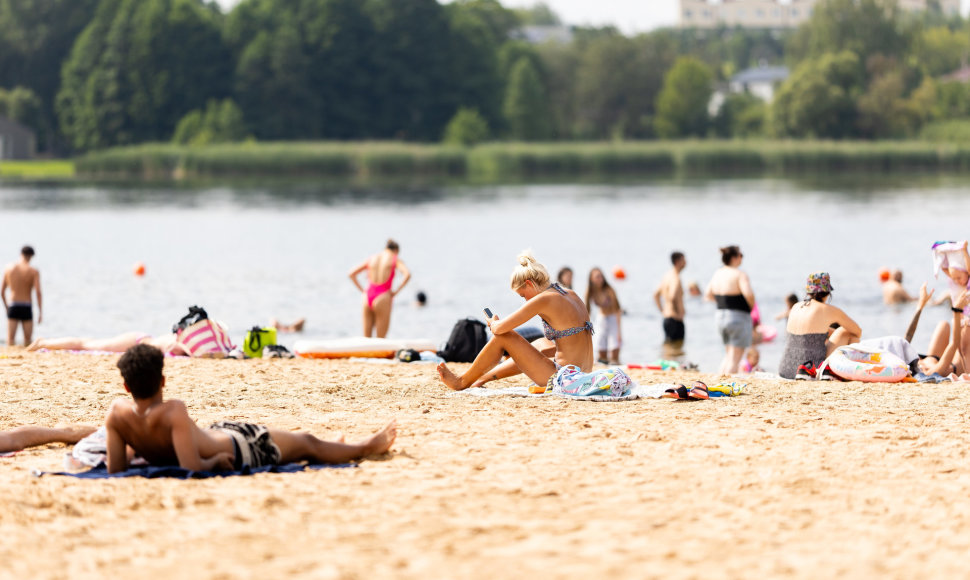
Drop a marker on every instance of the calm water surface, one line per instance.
(250, 253)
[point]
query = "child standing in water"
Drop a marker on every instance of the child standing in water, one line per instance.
(607, 325)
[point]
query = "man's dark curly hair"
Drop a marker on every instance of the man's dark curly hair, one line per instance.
(141, 367)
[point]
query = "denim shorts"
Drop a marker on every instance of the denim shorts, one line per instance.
(735, 327)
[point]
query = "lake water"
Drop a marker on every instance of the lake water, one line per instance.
(250, 253)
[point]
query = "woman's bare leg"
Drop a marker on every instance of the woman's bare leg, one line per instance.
(119, 343)
(615, 356)
(508, 368)
(382, 313)
(528, 358)
(840, 337)
(733, 359)
(368, 317)
(24, 437)
(307, 447)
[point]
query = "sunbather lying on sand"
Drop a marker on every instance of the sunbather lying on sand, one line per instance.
(24, 437)
(558, 307)
(162, 432)
(168, 343)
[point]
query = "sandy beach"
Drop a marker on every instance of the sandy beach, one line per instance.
(792, 479)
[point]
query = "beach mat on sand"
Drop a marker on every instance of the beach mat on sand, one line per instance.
(638, 392)
(150, 472)
(7, 454)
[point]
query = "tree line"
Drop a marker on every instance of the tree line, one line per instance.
(90, 74)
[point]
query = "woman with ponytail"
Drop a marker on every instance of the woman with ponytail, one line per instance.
(566, 326)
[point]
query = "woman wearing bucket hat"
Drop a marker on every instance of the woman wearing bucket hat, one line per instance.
(815, 328)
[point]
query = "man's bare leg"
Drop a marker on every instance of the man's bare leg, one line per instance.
(28, 331)
(24, 437)
(306, 447)
(12, 331)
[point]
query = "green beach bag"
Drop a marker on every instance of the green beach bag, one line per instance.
(256, 339)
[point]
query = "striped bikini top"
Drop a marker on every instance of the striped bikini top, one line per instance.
(553, 334)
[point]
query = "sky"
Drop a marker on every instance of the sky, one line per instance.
(630, 16)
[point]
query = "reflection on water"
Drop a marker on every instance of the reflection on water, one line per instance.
(254, 251)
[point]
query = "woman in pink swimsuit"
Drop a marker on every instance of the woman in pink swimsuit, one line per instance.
(378, 296)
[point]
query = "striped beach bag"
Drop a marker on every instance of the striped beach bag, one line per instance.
(201, 337)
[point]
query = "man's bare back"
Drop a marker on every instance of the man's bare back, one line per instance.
(671, 295)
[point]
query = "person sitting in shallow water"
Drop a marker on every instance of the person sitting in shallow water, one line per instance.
(810, 336)
(558, 307)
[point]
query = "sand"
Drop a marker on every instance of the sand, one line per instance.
(798, 480)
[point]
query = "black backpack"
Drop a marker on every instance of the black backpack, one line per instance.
(195, 314)
(467, 339)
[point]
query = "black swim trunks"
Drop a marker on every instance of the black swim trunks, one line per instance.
(673, 330)
(20, 311)
(253, 445)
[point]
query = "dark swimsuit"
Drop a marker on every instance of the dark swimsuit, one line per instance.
(732, 302)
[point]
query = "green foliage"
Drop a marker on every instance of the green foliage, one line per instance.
(525, 104)
(940, 50)
(37, 169)
(220, 122)
(539, 15)
(138, 67)
(740, 115)
(466, 128)
(682, 103)
(863, 27)
(818, 99)
(36, 37)
(23, 106)
(950, 131)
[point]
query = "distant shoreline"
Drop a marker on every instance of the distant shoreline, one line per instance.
(365, 162)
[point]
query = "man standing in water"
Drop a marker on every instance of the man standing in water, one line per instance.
(22, 279)
(378, 297)
(670, 300)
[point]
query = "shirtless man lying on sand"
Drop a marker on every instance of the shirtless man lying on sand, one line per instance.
(24, 437)
(163, 433)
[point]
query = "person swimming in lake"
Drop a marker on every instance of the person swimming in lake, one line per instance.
(379, 294)
(731, 289)
(607, 325)
(815, 329)
(566, 325)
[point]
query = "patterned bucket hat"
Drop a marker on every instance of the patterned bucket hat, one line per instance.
(818, 282)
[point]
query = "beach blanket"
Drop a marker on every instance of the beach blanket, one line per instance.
(152, 472)
(634, 393)
(8, 454)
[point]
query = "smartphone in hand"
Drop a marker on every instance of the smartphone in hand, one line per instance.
(488, 313)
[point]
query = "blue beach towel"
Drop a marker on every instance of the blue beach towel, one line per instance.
(150, 472)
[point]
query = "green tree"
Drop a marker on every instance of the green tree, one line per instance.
(740, 115)
(415, 81)
(466, 128)
(818, 99)
(940, 50)
(138, 67)
(220, 122)
(683, 101)
(23, 106)
(539, 15)
(477, 31)
(864, 27)
(35, 38)
(526, 111)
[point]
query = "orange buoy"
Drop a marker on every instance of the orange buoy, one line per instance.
(139, 269)
(619, 273)
(884, 275)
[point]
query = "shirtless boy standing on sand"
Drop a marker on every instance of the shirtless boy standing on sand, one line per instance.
(670, 300)
(163, 433)
(22, 279)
